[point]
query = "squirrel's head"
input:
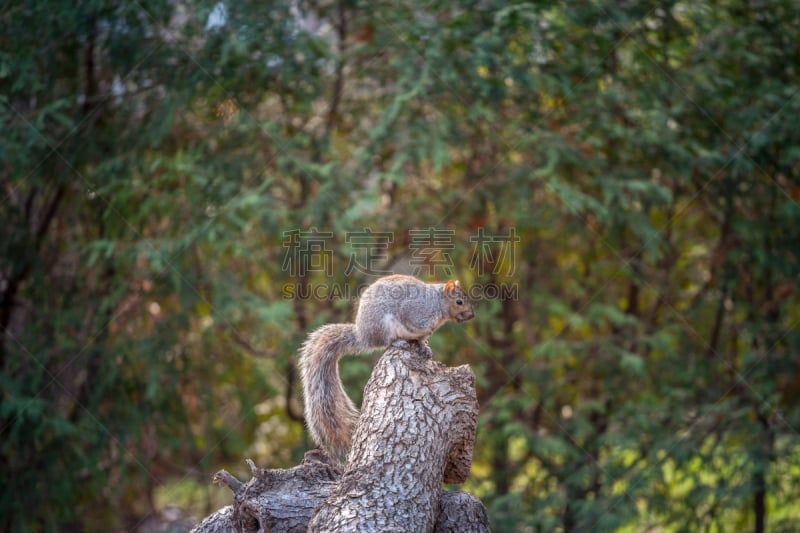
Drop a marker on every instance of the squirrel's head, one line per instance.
(459, 308)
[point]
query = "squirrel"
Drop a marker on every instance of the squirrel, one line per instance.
(393, 310)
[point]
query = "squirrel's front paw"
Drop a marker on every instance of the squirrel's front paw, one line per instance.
(424, 349)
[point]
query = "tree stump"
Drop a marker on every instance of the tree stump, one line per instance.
(416, 431)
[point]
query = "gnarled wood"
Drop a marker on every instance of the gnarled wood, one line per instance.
(416, 430)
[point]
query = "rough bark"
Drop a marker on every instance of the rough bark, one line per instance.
(416, 431)
(274, 500)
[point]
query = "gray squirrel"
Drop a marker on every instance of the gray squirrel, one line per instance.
(393, 309)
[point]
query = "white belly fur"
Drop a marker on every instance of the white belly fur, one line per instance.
(396, 329)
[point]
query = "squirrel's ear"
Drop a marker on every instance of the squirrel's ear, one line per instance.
(450, 286)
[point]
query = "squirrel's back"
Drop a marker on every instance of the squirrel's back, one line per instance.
(399, 307)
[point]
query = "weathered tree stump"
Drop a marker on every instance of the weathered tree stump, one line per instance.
(416, 430)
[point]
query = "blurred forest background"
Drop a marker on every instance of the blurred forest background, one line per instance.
(158, 158)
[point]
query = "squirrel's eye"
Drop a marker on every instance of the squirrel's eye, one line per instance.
(459, 301)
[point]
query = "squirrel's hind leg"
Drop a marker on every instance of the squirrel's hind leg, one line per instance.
(418, 345)
(402, 344)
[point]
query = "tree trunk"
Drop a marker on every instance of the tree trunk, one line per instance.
(416, 431)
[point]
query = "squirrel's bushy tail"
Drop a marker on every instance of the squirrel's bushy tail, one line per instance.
(330, 414)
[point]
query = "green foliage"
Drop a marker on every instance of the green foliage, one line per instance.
(643, 374)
